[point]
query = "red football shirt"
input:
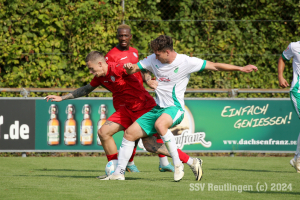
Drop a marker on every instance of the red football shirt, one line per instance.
(130, 56)
(125, 88)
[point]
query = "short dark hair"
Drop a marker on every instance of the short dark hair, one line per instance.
(162, 43)
(93, 56)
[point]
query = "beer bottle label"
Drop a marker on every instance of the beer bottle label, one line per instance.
(53, 134)
(86, 133)
(70, 134)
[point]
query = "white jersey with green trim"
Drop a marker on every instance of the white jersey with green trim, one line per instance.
(293, 51)
(172, 78)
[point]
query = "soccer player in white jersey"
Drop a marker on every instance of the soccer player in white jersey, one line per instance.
(292, 51)
(172, 71)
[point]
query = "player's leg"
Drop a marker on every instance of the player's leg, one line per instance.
(131, 134)
(164, 165)
(195, 164)
(108, 129)
(176, 115)
(139, 129)
(167, 119)
(295, 97)
(119, 118)
(131, 167)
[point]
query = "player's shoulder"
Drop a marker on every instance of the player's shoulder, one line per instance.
(186, 58)
(112, 51)
(183, 56)
(295, 44)
(134, 52)
(149, 58)
(133, 49)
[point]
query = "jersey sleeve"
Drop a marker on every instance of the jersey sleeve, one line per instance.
(145, 64)
(196, 64)
(287, 54)
(95, 82)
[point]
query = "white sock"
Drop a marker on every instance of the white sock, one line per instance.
(163, 161)
(125, 153)
(130, 163)
(298, 146)
(190, 161)
(170, 143)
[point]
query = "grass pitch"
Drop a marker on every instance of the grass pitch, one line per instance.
(74, 178)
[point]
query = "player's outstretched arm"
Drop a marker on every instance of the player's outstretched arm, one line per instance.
(228, 67)
(282, 82)
(131, 68)
(85, 90)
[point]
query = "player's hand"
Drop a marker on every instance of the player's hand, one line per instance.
(282, 82)
(128, 66)
(53, 98)
(152, 84)
(249, 68)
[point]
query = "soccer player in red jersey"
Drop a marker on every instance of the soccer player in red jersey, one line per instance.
(130, 99)
(124, 53)
(126, 89)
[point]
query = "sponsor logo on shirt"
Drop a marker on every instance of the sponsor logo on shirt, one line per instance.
(176, 70)
(117, 65)
(105, 81)
(123, 58)
(156, 66)
(287, 49)
(164, 79)
(106, 58)
(113, 78)
(135, 54)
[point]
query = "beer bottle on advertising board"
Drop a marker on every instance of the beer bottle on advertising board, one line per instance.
(53, 126)
(102, 120)
(70, 134)
(86, 129)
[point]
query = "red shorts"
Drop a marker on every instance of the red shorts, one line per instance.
(126, 117)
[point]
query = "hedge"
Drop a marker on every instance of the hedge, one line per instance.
(44, 43)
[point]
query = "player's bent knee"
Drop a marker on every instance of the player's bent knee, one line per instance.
(160, 127)
(103, 135)
(129, 136)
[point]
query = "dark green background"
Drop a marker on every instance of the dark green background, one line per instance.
(207, 118)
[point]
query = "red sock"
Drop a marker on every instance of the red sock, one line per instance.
(160, 141)
(183, 156)
(112, 157)
(133, 154)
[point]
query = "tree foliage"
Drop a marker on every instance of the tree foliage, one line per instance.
(44, 43)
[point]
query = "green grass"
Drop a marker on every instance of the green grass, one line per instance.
(74, 178)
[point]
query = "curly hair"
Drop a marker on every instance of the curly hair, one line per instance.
(162, 43)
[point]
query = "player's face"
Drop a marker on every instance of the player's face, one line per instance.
(162, 56)
(124, 38)
(96, 68)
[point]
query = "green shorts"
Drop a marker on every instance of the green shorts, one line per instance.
(148, 120)
(295, 98)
